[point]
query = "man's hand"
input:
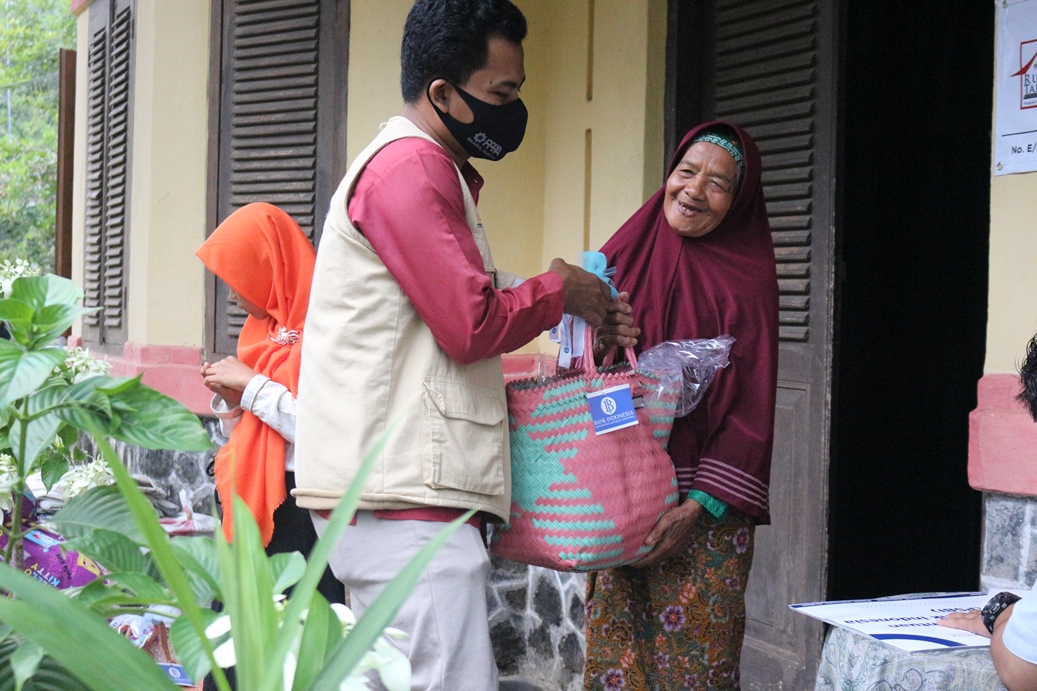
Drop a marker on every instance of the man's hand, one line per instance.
(586, 295)
(671, 534)
(1014, 672)
(227, 379)
(618, 328)
(971, 621)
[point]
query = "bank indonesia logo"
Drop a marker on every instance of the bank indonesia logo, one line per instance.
(1027, 74)
(608, 405)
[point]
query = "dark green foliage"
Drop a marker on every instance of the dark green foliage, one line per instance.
(31, 33)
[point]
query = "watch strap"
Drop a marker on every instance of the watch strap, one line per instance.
(995, 606)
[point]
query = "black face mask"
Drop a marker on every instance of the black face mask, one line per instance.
(494, 131)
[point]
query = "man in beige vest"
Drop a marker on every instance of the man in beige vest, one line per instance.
(408, 319)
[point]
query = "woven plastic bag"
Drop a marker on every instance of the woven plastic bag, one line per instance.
(583, 501)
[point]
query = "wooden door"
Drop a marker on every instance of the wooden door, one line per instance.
(277, 109)
(771, 67)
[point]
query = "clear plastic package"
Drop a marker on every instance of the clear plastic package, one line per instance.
(691, 364)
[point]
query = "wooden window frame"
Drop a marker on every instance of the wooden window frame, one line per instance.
(110, 85)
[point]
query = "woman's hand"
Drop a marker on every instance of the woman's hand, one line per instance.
(671, 534)
(617, 330)
(227, 379)
(969, 621)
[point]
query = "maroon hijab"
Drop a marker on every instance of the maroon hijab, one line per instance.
(724, 282)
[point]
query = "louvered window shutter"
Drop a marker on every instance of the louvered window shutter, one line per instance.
(109, 86)
(281, 121)
(765, 80)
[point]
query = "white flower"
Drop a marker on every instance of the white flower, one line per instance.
(81, 365)
(345, 616)
(386, 659)
(80, 478)
(9, 272)
(224, 652)
(290, 664)
(8, 479)
(392, 665)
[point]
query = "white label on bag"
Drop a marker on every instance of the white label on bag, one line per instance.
(612, 409)
(569, 336)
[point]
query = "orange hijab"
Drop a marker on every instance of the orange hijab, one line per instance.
(263, 255)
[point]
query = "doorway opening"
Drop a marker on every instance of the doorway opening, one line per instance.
(912, 252)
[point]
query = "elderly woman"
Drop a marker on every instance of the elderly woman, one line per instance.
(697, 261)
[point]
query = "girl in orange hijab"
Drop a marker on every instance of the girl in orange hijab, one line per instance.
(267, 261)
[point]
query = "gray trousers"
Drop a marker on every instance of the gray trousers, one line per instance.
(445, 616)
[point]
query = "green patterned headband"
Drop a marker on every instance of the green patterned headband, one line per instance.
(726, 143)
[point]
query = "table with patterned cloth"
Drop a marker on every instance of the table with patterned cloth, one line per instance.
(854, 661)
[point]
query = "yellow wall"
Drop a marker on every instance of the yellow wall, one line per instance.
(512, 203)
(168, 188)
(1012, 301)
(79, 152)
(539, 203)
(1012, 296)
(165, 293)
(621, 105)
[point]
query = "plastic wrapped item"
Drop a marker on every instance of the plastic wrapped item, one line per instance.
(187, 522)
(150, 633)
(690, 364)
(45, 557)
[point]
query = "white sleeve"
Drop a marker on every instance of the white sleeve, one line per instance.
(1020, 634)
(272, 403)
(227, 416)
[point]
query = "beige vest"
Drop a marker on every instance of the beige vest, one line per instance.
(371, 369)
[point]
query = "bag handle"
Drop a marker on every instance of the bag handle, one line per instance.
(588, 353)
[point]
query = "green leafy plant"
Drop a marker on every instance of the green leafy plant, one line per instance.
(299, 643)
(41, 404)
(31, 32)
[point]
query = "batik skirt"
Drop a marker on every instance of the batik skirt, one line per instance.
(678, 624)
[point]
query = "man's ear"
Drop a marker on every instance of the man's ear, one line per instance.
(440, 91)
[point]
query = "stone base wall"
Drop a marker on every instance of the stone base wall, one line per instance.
(536, 623)
(1009, 541)
(171, 471)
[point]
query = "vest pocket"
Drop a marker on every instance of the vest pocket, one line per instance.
(463, 431)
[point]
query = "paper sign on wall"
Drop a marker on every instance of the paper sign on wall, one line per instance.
(1015, 138)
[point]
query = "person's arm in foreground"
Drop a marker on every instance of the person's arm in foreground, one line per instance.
(1015, 673)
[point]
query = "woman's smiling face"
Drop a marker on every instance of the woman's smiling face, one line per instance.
(700, 190)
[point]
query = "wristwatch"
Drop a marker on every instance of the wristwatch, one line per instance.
(995, 605)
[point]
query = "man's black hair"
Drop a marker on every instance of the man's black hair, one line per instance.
(448, 39)
(1028, 376)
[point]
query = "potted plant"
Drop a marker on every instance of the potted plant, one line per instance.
(276, 643)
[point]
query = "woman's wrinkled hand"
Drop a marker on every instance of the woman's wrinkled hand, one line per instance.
(671, 533)
(617, 330)
(227, 379)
